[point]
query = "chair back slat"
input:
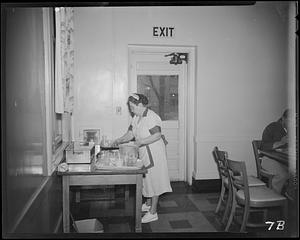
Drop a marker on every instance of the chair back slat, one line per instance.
(220, 159)
(216, 160)
(238, 175)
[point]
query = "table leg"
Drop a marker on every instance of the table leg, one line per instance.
(66, 204)
(126, 192)
(138, 202)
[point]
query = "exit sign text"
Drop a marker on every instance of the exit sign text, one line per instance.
(163, 31)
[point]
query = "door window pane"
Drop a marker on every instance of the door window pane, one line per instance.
(162, 93)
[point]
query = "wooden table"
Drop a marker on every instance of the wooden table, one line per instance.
(281, 157)
(87, 175)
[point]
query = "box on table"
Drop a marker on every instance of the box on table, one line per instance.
(78, 152)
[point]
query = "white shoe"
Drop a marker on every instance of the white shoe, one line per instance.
(148, 217)
(145, 207)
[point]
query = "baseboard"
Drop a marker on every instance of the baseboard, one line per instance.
(207, 185)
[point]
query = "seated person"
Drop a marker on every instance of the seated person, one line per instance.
(275, 136)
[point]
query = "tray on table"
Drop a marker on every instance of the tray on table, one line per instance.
(119, 167)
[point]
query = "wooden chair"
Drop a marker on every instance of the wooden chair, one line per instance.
(220, 159)
(262, 174)
(251, 199)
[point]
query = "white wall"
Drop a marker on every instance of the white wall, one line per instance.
(241, 71)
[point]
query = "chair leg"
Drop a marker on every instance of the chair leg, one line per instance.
(232, 212)
(265, 214)
(285, 210)
(245, 219)
(228, 204)
(221, 198)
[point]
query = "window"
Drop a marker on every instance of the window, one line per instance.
(57, 116)
(162, 94)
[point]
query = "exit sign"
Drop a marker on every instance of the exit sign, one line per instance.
(163, 31)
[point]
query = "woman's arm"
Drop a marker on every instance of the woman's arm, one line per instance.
(148, 140)
(283, 143)
(125, 138)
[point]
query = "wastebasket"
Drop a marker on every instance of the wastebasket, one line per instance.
(92, 225)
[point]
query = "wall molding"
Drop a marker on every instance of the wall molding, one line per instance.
(210, 185)
(207, 175)
(223, 138)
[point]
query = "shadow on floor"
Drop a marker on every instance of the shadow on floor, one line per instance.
(182, 212)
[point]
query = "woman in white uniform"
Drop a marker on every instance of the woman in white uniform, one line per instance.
(145, 127)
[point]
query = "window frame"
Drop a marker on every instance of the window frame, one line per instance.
(57, 130)
(55, 145)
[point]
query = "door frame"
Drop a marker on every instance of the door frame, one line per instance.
(189, 97)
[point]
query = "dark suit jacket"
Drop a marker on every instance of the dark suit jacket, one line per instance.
(272, 133)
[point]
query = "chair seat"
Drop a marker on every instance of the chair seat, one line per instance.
(261, 197)
(252, 181)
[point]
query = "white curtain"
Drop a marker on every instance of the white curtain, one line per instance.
(64, 77)
(59, 100)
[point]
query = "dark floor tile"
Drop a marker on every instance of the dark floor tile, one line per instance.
(180, 224)
(181, 201)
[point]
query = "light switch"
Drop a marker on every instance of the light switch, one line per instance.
(119, 110)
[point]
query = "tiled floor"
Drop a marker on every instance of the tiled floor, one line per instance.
(182, 211)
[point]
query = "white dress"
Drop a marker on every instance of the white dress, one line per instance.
(156, 180)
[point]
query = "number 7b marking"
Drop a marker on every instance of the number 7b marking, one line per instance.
(280, 225)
